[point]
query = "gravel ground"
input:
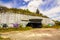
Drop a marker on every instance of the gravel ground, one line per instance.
(35, 34)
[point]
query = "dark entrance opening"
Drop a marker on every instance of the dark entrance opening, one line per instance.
(35, 23)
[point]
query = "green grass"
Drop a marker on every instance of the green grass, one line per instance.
(55, 26)
(25, 28)
(14, 29)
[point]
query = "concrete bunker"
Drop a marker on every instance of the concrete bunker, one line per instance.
(35, 23)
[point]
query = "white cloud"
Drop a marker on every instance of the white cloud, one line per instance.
(33, 5)
(53, 13)
(8, 5)
(26, 0)
(23, 7)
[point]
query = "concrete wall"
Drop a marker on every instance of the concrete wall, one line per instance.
(10, 18)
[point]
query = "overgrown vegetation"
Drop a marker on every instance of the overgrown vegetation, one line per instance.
(20, 28)
(57, 25)
(21, 11)
(26, 28)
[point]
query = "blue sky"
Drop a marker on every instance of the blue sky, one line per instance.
(50, 8)
(5, 1)
(15, 3)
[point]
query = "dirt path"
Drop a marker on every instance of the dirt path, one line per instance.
(36, 34)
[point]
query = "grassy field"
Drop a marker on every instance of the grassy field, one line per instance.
(14, 29)
(26, 28)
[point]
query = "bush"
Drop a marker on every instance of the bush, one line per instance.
(47, 26)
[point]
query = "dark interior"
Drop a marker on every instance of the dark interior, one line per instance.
(35, 23)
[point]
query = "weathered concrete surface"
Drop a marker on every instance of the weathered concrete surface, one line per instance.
(10, 18)
(36, 34)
